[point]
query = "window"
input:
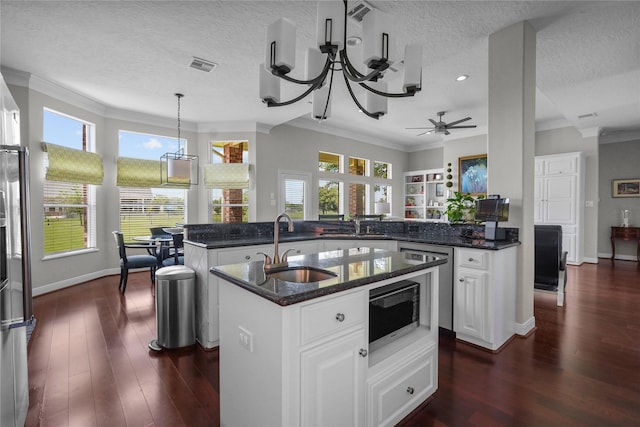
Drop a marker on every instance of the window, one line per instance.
(69, 207)
(329, 197)
(144, 204)
(358, 166)
(294, 194)
(229, 205)
(382, 170)
(329, 162)
(381, 193)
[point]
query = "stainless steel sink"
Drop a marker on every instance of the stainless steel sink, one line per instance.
(301, 275)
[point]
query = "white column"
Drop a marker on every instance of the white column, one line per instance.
(510, 146)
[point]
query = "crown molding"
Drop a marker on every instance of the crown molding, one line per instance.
(305, 123)
(610, 138)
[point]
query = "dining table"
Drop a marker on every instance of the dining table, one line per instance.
(158, 245)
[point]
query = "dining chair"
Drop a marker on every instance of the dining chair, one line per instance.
(176, 252)
(128, 262)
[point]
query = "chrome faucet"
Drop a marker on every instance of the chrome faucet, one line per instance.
(357, 226)
(276, 261)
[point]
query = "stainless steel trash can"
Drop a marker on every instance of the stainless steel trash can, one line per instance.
(175, 308)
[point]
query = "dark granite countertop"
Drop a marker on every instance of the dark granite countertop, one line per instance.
(446, 240)
(352, 267)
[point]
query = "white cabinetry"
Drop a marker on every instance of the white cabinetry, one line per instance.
(485, 296)
(309, 364)
(332, 245)
(333, 362)
(424, 198)
(559, 199)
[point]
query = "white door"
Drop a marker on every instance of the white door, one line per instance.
(294, 196)
(560, 195)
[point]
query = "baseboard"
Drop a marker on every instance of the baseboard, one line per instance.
(525, 328)
(56, 286)
(618, 256)
(591, 260)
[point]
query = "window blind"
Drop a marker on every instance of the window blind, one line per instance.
(71, 165)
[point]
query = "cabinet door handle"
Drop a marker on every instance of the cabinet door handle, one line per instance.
(340, 317)
(410, 390)
(470, 259)
(247, 257)
(461, 280)
(363, 352)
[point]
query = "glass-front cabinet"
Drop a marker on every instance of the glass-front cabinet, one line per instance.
(424, 195)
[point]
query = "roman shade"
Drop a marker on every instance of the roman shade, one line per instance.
(143, 173)
(71, 165)
(226, 175)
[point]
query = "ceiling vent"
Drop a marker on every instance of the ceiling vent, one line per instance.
(586, 116)
(202, 64)
(358, 10)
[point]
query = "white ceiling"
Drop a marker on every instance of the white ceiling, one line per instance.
(134, 56)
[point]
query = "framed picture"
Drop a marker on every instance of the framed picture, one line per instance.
(626, 187)
(439, 190)
(472, 175)
(416, 178)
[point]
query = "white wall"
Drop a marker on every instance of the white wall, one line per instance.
(617, 161)
(426, 159)
(60, 271)
(293, 148)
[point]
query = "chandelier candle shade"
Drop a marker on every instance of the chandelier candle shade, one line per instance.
(378, 51)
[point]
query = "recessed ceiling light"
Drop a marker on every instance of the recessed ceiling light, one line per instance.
(462, 78)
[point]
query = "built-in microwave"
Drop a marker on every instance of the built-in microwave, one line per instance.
(394, 311)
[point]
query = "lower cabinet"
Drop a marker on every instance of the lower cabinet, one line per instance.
(332, 382)
(395, 392)
(485, 296)
(333, 245)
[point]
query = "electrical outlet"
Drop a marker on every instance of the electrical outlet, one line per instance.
(245, 338)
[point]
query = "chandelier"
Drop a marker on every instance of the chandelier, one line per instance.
(178, 169)
(331, 56)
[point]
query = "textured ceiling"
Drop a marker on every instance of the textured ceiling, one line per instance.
(134, 55)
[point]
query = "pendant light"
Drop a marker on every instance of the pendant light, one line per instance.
(179, 169)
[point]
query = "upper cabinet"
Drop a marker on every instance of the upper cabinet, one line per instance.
(559, 199)
(424, 195)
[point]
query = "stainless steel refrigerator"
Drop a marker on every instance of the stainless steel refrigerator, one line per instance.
(16, 309)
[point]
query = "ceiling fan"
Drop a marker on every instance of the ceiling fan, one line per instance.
(442, 127)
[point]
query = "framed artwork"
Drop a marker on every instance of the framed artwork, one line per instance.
(439, 190)
(626, 187)
(472, 175)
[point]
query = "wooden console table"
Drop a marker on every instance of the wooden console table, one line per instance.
(625, 233)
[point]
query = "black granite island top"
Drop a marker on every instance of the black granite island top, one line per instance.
(352, 267)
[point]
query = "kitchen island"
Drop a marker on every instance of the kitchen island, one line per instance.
(298, 353)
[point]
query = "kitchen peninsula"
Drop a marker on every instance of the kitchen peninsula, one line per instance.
(484, 308)
(300, 353)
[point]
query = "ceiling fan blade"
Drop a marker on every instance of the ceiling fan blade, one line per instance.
(434, 122)
(458, 121)
(461, 127)
(418, 128)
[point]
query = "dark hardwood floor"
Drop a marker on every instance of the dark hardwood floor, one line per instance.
(89, 364)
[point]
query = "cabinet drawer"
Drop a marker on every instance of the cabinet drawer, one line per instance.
(243, 254)
(472, 258)
(400, 391)
(329, 317)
